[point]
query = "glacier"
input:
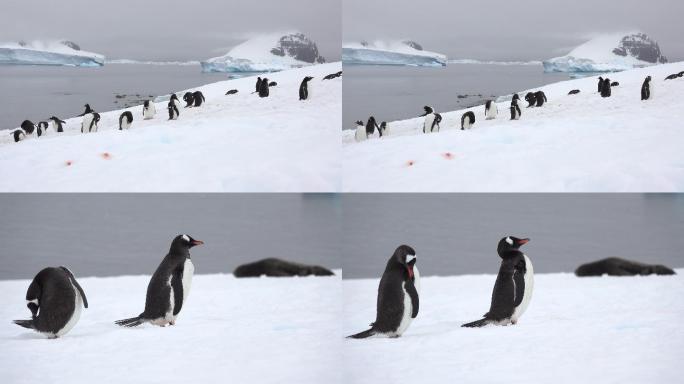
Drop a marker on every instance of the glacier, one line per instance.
(391, 53)
(48, 53)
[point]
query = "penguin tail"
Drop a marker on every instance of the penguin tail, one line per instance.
(24, 323)
(132, 322)
(476, 324)
(362, 335)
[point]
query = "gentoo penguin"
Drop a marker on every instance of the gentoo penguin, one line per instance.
(232, 92)
(605, 90)
(176, 102)
(263, 88)
(57, 124)
(148, 110)
(193, 99)
(398, 293)
(540, 97)
(384, 129)
(574, 92)
(54, 299)
(360, 134)
(258, 85)
(18, 135)
(614, 84)
(174, 112)
(432, 120)
(125, 120)
(169, 286)
(41, 128)
(467, 120)
(491, 110)
(672, 76)
(680, 74)
(189, 99)
(304, 88)
(371, 126)
(515, 108)
(531, 98)
(89, 123)
(332, 75)
(272, 84)
(600, 85)
(645, 89)
(513, 286)
(87, 110)
(28, 127)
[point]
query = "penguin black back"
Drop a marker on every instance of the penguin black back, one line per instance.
(28, 127)
(304, 88)
(646, 89)
(125, 120)
(263, 88)
(371, 126)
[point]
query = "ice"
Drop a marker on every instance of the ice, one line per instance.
(391, 53)
(48, 53)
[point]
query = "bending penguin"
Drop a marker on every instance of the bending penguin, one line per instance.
(57, 124)
(398, 292)
(28, 127)
(55, 299)
(513, 286)
(169, 286)
(304, 88)
(432, 120)
(18, 135)
(645, 89)
(515, 108)
(263, 88)
(360, 134)
(605, 89)
(193, 99)
(491, 110)
(148, 110)
(125, 120)
(467, 120)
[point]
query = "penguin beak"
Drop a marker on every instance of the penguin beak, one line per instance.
(196, 242)
(410, 270)
(523, 241)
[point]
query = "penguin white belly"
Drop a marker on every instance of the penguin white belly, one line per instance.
(78, 305)
(492, 112)
(386, 131)
(87, 120)
(527, 294)
(408, 306)
(360, 134)
(427, 125)
(125, 124)
(466, 123)
(188, 271)
(53, 125)
(178, 104)
(168, 316)
(148, 113)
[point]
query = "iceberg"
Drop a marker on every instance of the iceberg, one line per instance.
(405, 52)
(48, 53)
(609, 53)
(267, 53)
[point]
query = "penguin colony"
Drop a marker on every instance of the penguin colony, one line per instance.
(192, 100)
(534, 99)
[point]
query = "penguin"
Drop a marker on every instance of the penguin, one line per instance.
(89, 123)
(189, 99)
(176, 102)
(263, 88)
(491, 110)
(332, 75)
(574, 92)
(467, 120)
(304, 88)
(18, 135)
(57, 124)
(28, 127)
(360, 134)
(531, 98)
(513, 287)
(232, 92)
(680, 74)
(87, 110)
(198, 96)
(169, 286)
(149, 110)
(125, 120)
(432, 120)
(384, 129)
(398, 292)
(600, 85)
(645, 89)
(54, 298)
(272, 84)
(672, 77)
(605, 90)
(614, 84)
(41, 128)
(371, 126)
(515, 108)
(540, 97)
(258, 85)
(193, 99)
(174, 112)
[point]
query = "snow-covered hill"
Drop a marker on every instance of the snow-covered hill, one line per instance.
(576, 330)
(267, 53)
(614, 52)
(573, 143)
(261, 330)
(391, 53)
(231, 143)
(48, 53)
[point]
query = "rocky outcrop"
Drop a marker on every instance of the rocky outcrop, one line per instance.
(298, 47)
(641, 47)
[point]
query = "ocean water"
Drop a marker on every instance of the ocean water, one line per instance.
(38, 92)
(395, 93)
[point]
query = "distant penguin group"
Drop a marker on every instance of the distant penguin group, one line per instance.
(28, 128)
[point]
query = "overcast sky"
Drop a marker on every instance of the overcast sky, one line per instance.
(169, 29)
(504, 29)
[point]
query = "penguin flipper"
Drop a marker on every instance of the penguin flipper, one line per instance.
(132, 322)
(24, 323)
(476, 324)
(362, 335)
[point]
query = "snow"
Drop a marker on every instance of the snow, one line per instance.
(48, 53)
(595, 55)
(261, 330)
(231, 143)
(390, 53)
(618, 329)
(573, 143)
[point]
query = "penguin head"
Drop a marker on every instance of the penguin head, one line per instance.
(308, 78)
(359, 122)
(174, 97)
(185, 242)
(383, 124)
(406, 257)
(516, 97)
(187, 96)
(510, 243)
(648, 78)
(428, 110)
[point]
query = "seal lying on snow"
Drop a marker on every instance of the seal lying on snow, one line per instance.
(614, 266)
(279, 268)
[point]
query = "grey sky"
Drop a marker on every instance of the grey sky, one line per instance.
(504, 29)
(169, 29)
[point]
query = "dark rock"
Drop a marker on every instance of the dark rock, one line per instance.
(642, 47)
(298, 47)
(279, 268)
(614, 266)
(413, 45)
(71, 45)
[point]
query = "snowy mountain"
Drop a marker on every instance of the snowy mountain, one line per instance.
(576, 330)
(391, 53)
(616, 52)
(267, 53)
(233, 143)
(48, 53)
(578, 143)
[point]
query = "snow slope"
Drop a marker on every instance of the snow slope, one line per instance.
(576, 330)
(262, 330)
(572, 143)
(48, 53)
(390, 53)
(231, 143)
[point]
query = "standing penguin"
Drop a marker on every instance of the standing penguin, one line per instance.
(175, 101)
(125, 120)
(89, 123)
(467, 120)
(360, 134)
(41, 128)
(432, 120)
(174, 112)
(169, 286)
(54, 299)
(263, 88)
(304, 88)
(57, 124)
(491, 110)
(398, 292)
(605, 90)
(600, 85)
(513, 287)
(148, 110)
(384, 129)
(371, 126)
(646, 89)
(258, 85)
(515, 108)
